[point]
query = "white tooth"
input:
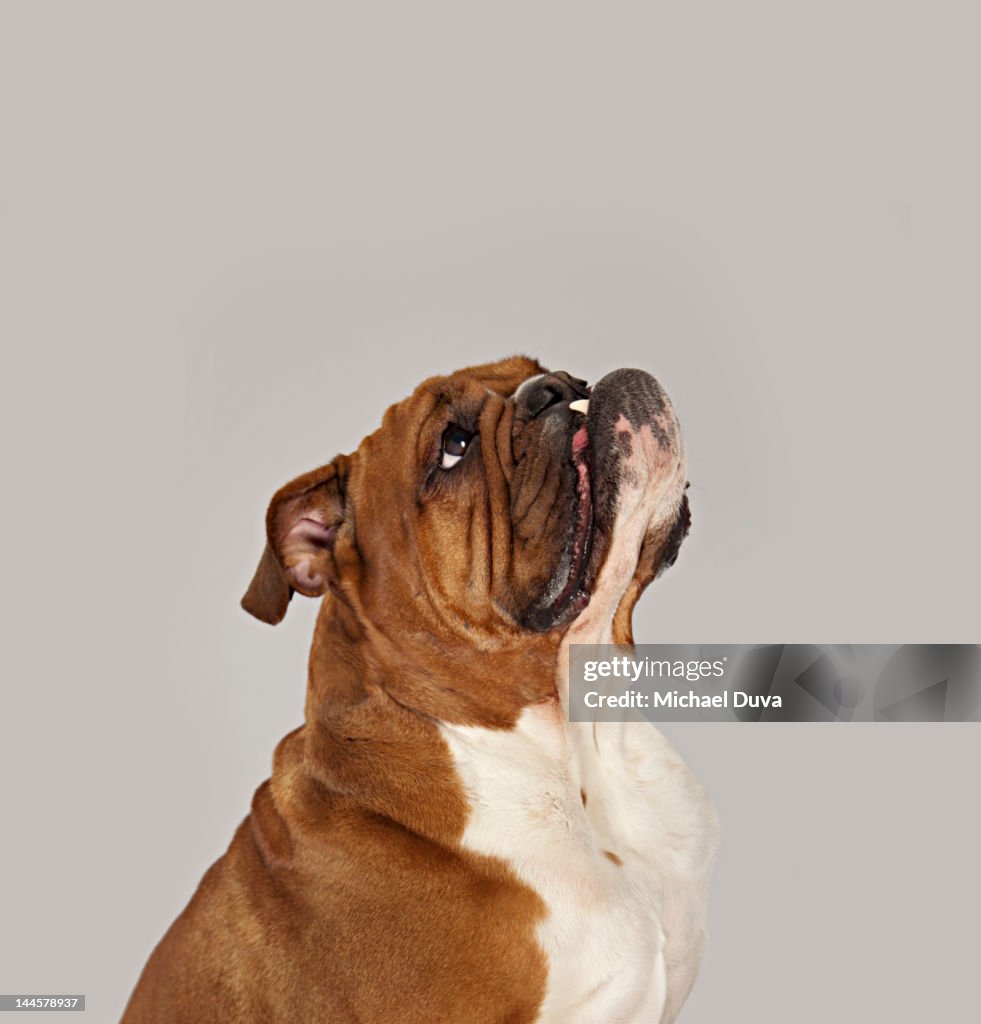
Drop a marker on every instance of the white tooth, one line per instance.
(580, 405)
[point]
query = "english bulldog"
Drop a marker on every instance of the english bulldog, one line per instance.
(438, 843)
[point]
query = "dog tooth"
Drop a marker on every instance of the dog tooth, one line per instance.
(580, 405)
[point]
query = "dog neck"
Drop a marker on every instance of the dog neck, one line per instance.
(439, 676)
(371, 739)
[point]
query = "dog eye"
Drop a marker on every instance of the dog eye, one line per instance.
(454, 446)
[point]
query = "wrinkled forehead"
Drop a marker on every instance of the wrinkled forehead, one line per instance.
(502, 378)
(460, 394)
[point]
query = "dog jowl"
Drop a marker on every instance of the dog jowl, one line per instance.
(425, 849)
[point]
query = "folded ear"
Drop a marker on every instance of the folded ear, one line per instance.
(301, 523)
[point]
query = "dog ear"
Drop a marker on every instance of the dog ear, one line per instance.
(301, 523)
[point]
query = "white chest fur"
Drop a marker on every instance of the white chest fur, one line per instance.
(624, 877)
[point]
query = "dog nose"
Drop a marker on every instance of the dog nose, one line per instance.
(550, 389)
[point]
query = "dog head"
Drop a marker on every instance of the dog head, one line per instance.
(492, 505)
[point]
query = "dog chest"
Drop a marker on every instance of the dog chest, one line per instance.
(602, 935)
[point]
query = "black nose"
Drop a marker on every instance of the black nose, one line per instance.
(551, 389)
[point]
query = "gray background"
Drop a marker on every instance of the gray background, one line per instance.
(232, 233)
